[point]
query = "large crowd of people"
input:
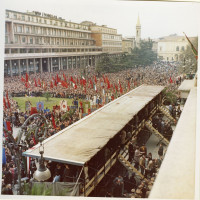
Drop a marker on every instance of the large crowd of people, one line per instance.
(76, 84)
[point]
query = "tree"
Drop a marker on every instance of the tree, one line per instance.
(188, 58)
(142, 56)
(47, 95)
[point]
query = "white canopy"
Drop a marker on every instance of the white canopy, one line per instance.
(79, 142)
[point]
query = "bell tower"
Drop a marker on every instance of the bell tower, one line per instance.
(138, 33)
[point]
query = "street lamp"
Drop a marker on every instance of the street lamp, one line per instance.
(42, 173)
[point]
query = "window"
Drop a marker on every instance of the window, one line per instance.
(23, 39)
(183, 48)
(177, 48)
(16, 39)
(45, 21)
(7, 14)
(23, 17)
(160, 48)
(33, 29)
(6, 39)
(31, 40)
(29, 19)
(36, 40)
(15, 16)
(27, 29)
(19, 29)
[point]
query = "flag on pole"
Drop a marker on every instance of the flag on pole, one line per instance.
(7, 99)
(39, 83)
(4, 102)
(194, 50)
(35, 83)
(26, 77)
(53, 121)
(22, 79)
(170, 80)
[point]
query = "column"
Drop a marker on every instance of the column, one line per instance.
(34, 66)
(72, 62)
(19, 67)
(27, 66)
(11, 74)
(59, 63)
(67, 62)
(51, 66)
(41, 70)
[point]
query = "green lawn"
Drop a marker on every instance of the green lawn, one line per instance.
(49, 104)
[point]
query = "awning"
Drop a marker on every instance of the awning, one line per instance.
(79, 142)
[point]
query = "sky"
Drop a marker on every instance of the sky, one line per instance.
(157, 19)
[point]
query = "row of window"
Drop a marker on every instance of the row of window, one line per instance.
(111, 49)
(103, 30)
(112, 37)
(48, 31)
(24, 50)
(42, 20)
(108, 43)
(177, 48)
(49, 41)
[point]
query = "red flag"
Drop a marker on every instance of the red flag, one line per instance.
(7, 99)
(55, 82)
(22, 79)
(27, 84)
(4, 102)
(58, 78)
(128, 85)
(26, 77)
(8, 126)
(53, 121)
(64, 77)
(34, 140)
(121, 90)
(170, 80)
(51, 85)
(64, 84)
(39, 83)
(95, 79)
(35, 83)
(33, 110)
(72, 80)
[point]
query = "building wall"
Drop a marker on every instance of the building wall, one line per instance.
(98, 38)
(170, 50)
(127, 45)
(38, 42)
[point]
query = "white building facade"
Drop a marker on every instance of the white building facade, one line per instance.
(39, 42)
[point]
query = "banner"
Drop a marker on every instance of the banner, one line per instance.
(63, 105)
(3, 156)
(27, 106)
(40, 106)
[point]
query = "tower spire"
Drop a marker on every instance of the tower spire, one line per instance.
(138, 32)
(138, 21)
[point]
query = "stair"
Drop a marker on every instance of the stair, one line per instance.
(129, 166)
(154, 131)
(165, 111)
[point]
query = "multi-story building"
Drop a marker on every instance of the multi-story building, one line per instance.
(106, 37)
(171, 47)
(127, 45)
(39, 42)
